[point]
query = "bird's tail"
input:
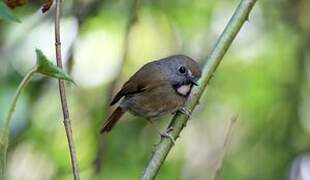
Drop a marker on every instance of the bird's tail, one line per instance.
(112, 120)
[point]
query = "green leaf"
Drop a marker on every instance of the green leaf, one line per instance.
(47, 68)
(6, 13)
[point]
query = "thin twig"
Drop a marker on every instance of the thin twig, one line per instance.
(179, 120)
(4, 134)
(132, 19)
(63, 97)
(18, 91)
(227, 139)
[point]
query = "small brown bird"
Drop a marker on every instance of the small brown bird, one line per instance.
(158, 88)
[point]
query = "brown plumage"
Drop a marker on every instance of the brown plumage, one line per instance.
(114, 117)
(158, 88)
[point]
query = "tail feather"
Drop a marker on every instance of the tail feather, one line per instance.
(112, 120)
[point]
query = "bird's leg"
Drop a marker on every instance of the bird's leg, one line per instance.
(168, 135)
(185, 111)
(165, 133)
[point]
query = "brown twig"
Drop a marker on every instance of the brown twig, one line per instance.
(227, 139)
(63, 97)
(130, 23)
(132, 19)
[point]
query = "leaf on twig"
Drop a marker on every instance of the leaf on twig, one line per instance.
(47, 68)
(6, 13)
(15, 3)
(46, 5)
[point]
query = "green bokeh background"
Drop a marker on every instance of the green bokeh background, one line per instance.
(264, 78)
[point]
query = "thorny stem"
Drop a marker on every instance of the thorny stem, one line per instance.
(179, 120)
(63, 97)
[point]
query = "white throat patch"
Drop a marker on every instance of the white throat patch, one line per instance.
(184, 89)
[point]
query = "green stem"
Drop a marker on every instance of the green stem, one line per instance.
(4, 134)
(213, 60)
(16, 96)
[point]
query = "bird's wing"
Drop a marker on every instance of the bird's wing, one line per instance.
(128, 88)
(144, 79)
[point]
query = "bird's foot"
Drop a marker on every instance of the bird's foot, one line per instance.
(186, 111)
(167, 134)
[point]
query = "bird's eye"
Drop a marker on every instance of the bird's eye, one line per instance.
(182, 69)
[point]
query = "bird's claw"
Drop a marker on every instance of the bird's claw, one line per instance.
(169, 129)
(167, 134)
(185, 111)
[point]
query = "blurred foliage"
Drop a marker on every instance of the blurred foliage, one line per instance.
(6, 13)
(264, 78)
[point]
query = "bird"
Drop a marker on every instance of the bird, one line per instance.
(158, 88)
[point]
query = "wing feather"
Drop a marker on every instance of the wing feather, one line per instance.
(146, 78)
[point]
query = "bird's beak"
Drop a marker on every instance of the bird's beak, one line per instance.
(193, 81)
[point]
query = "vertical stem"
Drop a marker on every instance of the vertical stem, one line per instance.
(213, 60)
(132, 19)
(63, 97)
